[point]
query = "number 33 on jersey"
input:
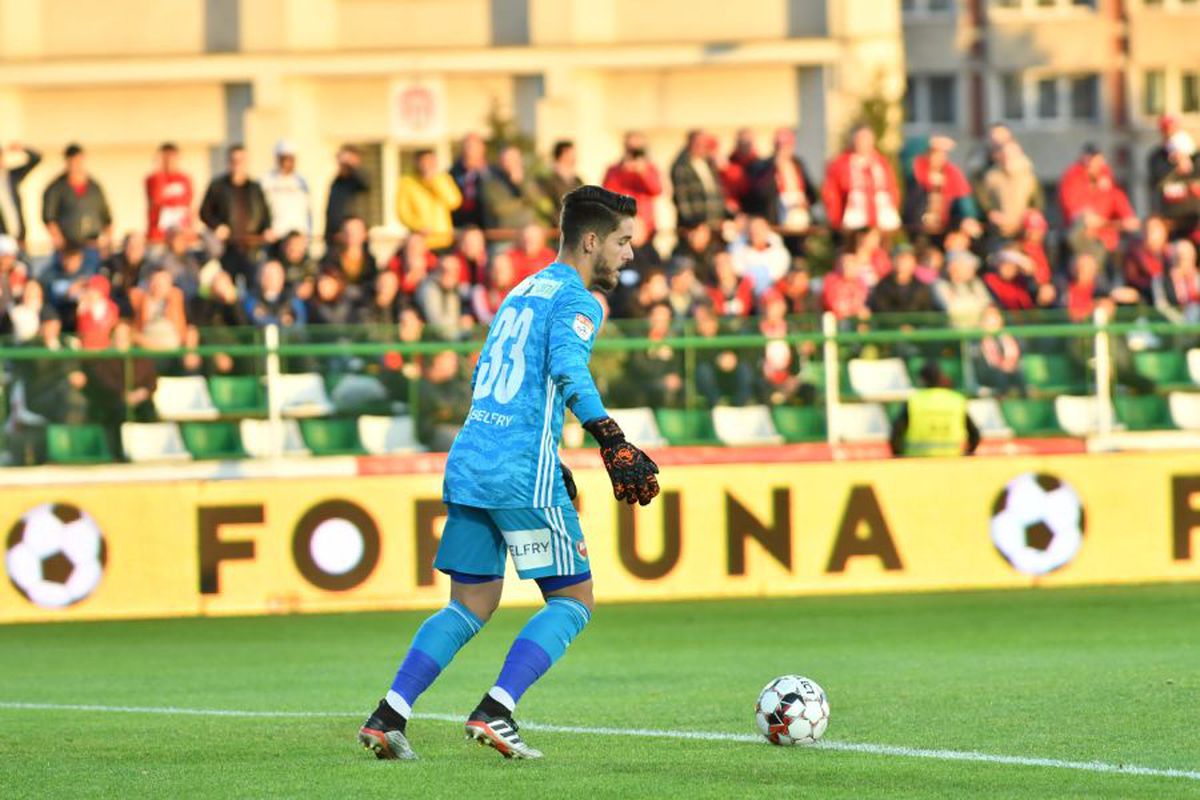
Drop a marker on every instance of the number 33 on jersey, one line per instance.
(534, 364)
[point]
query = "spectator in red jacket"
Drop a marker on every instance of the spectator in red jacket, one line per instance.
(938, 197)
(860, 188)
(1010, 280)
(530, 253)
(96, 315)
(1033, 245)
(783, 192)
(738, 171)
(168, 196)
(733, 295)
(1147, 258)
(845, 293)
(412, 261)
(635, 176)
(1087, 189)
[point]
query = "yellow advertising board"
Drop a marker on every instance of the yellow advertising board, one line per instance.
(730, 530)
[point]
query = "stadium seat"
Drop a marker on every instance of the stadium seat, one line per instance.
(212, 440)
(77, 444)
(1185, 410)
(861, 422)
(988, 418)
(302, 394)
(145, 442)
(238, 395)
(184, 398)
(1143, 412)
(639, 426)
(1167, 368)
(686, 428)
(1078, 415)
(745, 425)
(256, 438)
(358, 393)
(1052, 374)
(800, 423)
(336, 436)
(880, 379)
(383, 435)
(1031, 417)
(1193, 365)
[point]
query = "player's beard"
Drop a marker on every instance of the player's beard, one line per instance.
(604, 276)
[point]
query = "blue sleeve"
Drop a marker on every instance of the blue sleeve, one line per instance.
(574, 324)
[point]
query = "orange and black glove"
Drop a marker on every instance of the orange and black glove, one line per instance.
(568, 480)
(630, 470)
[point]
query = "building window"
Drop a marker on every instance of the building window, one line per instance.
(1189, 101)
(943, 104)
(1154, 93)
(1012, 92)
(931, 100)
(920, 7)
(1047, 98)
(1085, 98)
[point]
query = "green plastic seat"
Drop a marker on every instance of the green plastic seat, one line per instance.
(213, 440)
(1051, 373)
(1143, 412)
(332, 436)
(1031, 417)
(800, 423)
(1167, 368)
(238, 395)
(77, 444)
(686, 427)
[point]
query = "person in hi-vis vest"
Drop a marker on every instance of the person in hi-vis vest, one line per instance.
(934, 421)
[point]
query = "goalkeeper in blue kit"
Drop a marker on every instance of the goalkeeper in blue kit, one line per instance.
(506, 492)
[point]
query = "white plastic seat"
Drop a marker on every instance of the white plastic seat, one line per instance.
(1185, 410)
(1193, 362)
(256, 438)
(19, 412)
(1078, 415)
(184, 398)
(986, 414)
(861, 422)
(745, 425)
(356, 391)
(880, 379)
(383, 435)
(639, 426)
(145, 442)
(303, 394)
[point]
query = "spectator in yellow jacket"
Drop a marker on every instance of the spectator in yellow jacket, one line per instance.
(424, 201)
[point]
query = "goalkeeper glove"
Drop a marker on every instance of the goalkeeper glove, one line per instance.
(631, 471)
(568, 480)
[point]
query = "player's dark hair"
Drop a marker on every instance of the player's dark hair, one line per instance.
(592, 209)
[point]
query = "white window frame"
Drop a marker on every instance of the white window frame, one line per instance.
(1067, 7)
(1172, 94)
(923, 102)
(921, 12)
(1029, 100)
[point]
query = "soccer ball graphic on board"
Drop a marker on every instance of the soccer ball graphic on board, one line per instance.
(55, 555)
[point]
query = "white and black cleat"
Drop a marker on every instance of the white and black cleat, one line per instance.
(500, 733)
(384, 741)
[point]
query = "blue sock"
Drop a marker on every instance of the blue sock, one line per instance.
(436, 642)
(540, 643)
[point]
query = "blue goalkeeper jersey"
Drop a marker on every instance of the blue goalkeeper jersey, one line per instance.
(533, 364)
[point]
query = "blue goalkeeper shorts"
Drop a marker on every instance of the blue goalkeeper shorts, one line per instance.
(543, 542)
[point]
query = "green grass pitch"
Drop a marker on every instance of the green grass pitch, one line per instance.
(1094, 675)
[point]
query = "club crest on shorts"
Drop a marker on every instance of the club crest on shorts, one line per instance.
(581, 548)
(583, 327)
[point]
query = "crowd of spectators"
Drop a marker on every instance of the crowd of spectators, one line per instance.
(762, 243)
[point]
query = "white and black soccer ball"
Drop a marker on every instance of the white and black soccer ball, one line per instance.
(1038, 523)
(55, 555)
(792, 710)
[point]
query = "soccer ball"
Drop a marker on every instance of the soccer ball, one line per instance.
(55, 555)
(792, 710)
(1037, 523)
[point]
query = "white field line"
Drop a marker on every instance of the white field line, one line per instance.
(645, 733)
